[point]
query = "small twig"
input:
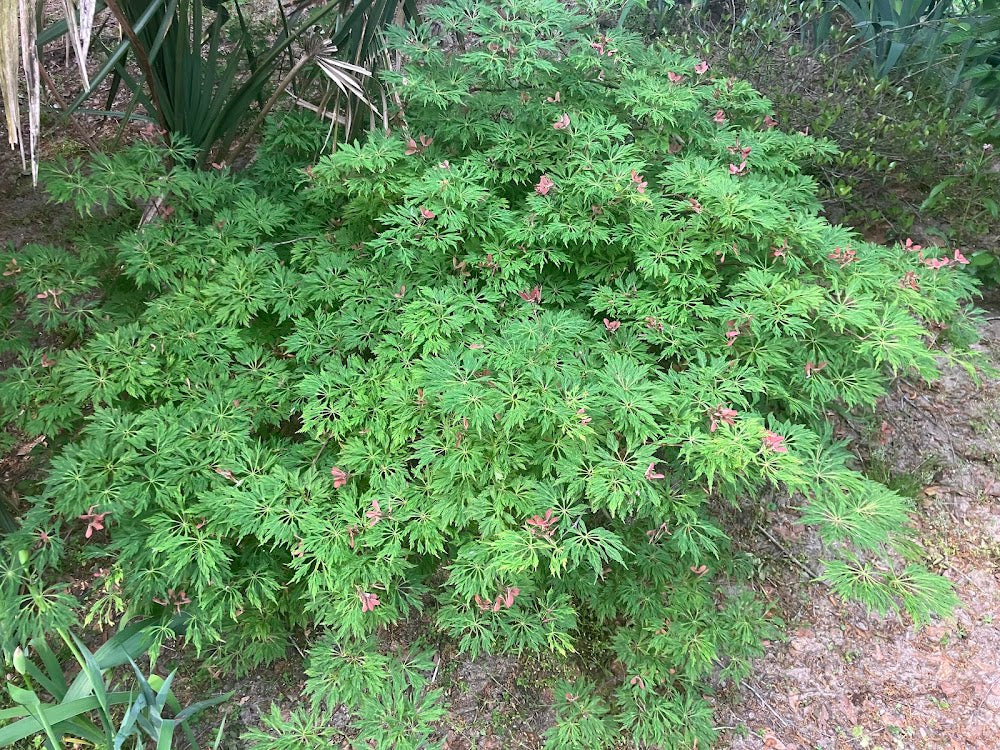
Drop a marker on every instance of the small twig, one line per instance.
(766, 704)
(64, 108)
(320, 453)
(986, 695)
(967, 578)
(296, 239)
(437, 666)
(802, 566)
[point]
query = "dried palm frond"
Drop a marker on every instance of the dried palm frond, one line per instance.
(18, 33)
(347, 91)
(10, 59)
(80, 25)
(187, 73)
(339, 72)
(29, 58)
(349, 102)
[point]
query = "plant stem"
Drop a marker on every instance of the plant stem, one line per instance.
(64, 107)
(72, 646)
(278, 91)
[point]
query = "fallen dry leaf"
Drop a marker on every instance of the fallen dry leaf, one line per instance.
(25, 449)
(949, 688)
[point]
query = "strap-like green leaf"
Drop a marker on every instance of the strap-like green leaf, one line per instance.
(166, 736)
(117, 56)
(218, 735)
(54, 714)
(131, 641)
(96, 676)
(128, 722)
(200, 706)
(29, 699)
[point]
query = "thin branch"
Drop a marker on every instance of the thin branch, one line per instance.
(64, 108)
(231, 155)
(802, 566)
(766, 704)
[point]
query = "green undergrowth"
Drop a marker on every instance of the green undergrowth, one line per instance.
(507, 367)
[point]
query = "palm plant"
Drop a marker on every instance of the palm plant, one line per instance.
(189, 71)
(977, 40)
(959, 34)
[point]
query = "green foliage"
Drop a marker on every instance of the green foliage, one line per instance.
(987, 266)
(122, 716)
(509, 366)
(299, 730)
(345, 673)
(957, 42)
(888, 30)
(922, 592)
(392, 704)
(29, 608)
(583, 719)
(977, 39)
(399, 717)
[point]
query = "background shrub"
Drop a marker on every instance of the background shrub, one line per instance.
(917, 139)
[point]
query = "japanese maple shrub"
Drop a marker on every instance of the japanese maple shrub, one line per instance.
(506, 365)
